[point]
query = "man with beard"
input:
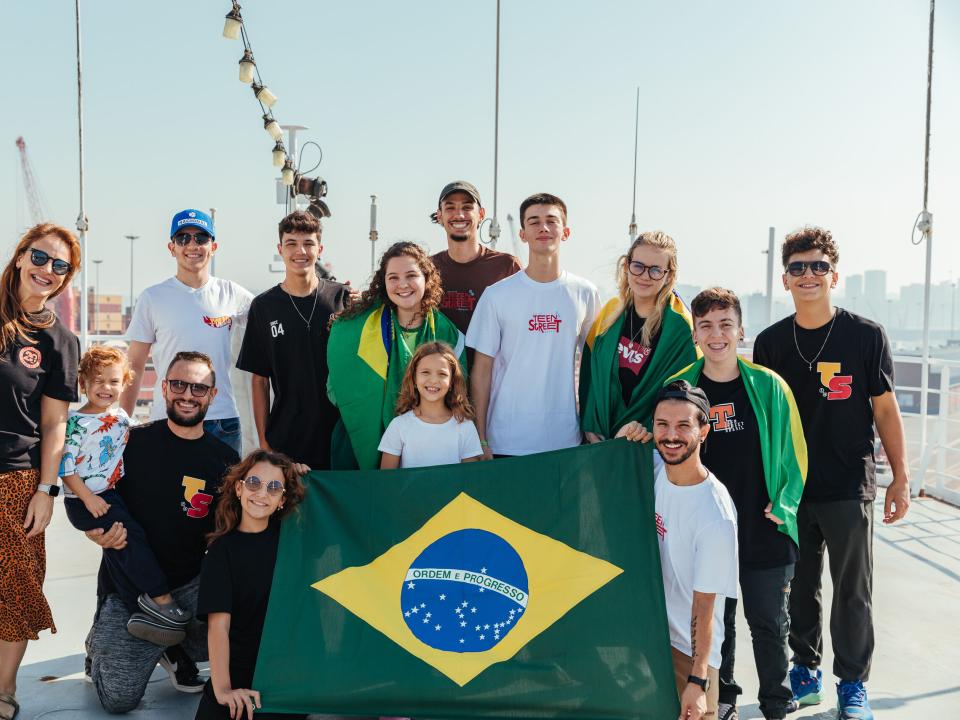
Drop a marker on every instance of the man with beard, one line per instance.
(697, 528)
(466, 267)
(172, 471)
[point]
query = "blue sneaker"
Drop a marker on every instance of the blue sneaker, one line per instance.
(807, 685)
(852, 701)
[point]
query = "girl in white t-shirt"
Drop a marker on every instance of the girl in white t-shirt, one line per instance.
(434, 423)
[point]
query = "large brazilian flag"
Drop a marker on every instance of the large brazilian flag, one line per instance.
(525, 587)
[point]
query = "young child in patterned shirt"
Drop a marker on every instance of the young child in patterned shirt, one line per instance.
(91, 466)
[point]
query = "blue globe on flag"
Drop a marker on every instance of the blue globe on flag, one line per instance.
(465, 592)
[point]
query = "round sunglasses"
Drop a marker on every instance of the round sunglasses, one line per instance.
(253, 484)
(798, 268)
(655, 272)
(40, 259)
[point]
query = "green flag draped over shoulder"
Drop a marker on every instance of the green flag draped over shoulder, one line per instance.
(367, 356)
(529, 587)
(602, 409)
(783, 448)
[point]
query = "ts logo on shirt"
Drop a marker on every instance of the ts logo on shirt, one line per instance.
(835, 385)
(218, 322)
(723, 418)
(197, 503)
(544, 323)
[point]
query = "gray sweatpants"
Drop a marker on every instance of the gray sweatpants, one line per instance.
(121, 665)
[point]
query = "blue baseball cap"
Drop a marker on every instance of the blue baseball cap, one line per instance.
(192, 218)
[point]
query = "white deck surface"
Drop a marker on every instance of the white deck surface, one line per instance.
(916, 670)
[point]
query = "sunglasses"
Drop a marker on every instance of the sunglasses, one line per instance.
(183, 239)
(253, 484)
(799, 268)
(40, 259)
(179, 387)
(654, 272)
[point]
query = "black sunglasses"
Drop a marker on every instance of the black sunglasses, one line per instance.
(274, 487)
(655, 272)
(183, 239)
(40, 259)
(798, 268)
(178, 387)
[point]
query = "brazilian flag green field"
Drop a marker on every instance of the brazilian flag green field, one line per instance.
(525, 587)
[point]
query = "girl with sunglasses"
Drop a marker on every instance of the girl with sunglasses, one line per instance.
(639, 339)
(256, 495)
(38, 380)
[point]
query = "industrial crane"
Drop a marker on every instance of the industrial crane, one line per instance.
(63, 304)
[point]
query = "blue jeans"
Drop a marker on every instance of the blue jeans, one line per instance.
(226, 430)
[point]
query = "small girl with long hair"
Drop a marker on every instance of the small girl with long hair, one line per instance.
(372, 342)
(434, 423)
(256, 495)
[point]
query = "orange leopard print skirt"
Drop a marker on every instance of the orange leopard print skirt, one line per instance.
(24, 611)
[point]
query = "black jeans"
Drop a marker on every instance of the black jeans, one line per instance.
(766, 598)
(134, 569)
(845, 529)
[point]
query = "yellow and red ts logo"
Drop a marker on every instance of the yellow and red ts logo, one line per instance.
(835, 385)
(197, 503)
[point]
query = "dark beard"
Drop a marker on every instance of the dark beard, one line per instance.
(459, 238)
(691, 449)
(177, 419)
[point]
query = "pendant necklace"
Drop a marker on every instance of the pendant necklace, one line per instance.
(307, 320)
(797, 345)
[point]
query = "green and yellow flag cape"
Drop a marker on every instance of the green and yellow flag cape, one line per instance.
(523, 588)
(782, 446)
(367, 356)
(602, 410)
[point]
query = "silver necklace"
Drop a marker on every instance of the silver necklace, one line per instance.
(307, 320)
(633, 313)
(797, 345)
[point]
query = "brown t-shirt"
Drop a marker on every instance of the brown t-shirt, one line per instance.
(464, 283)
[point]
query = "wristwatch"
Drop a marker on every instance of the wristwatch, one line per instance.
(51, 490)
(702, 682)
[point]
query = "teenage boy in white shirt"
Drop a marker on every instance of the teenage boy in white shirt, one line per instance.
(527, 330)
(191, 311)
(697, 531)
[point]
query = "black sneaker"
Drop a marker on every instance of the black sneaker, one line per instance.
(170, 614)
(727, 711)
(144, 627)
(182, 671)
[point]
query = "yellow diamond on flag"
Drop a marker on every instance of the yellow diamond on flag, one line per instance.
(468, 589)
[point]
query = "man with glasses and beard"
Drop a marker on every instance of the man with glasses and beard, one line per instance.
(190, 311)
(172, 471)
(697, 529)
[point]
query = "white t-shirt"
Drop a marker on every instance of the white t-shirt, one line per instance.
(422, 444)
(174, 317)
(94, 449)
(534, 332)
(697, 529)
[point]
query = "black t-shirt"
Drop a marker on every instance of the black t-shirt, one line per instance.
(278, 345)
(27, 372)
(170, 486)
(236, 578)
(632, 355)
(833, 397)
(733, 455)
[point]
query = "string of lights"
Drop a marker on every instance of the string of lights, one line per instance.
(249, 74)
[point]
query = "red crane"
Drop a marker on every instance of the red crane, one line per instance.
(63, 304)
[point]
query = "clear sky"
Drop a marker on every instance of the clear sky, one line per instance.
(752, 114)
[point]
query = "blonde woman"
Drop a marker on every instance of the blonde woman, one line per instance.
(639, 339)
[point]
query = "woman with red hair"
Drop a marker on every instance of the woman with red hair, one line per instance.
(38, 379)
